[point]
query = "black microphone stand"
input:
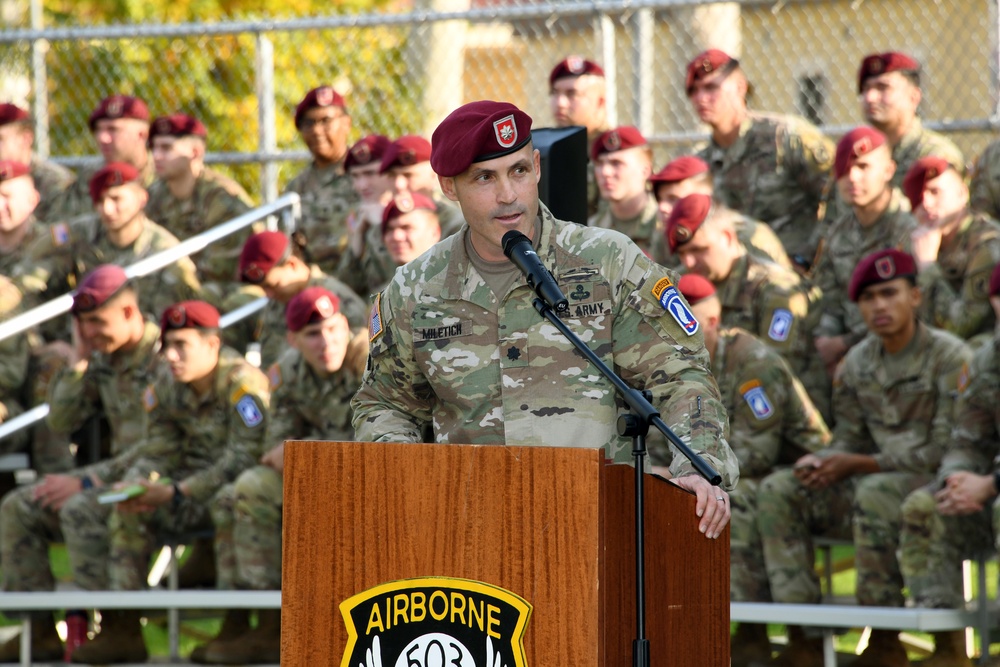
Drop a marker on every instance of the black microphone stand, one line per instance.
(635, 425)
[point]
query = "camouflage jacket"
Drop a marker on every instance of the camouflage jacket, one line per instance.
(920, 142)
(645, 230)
(9, 260)
(112, 386)
(51, 180)
(215, 199)
(483, 370)
(15, 354)
(205, 441)
(327, 198)
(366, 266)
(956, 287)
(777, 172)
(75, 200)
(305, 406)
(984, 190)
(772, 421)
(900, 409)
(846, 243)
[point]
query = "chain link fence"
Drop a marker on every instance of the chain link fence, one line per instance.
(402, 72)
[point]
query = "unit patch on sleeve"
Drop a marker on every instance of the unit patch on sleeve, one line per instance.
(781, 325)
(668, 296)
(755, 396)
(248, 411)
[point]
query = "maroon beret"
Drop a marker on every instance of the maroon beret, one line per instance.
(880, 267)
(707, 62)
(925, 169)
(110, 176)
(574, 66)
(324, 96)
(11, 169)
(311, 305)
(687, 216)
(119, 106)
(404, 203)
(97, 287)
(406, 151)
(617, 139)
(176, 125)
(680, 169)
(189, 315)
(11, 113)
(881, 63)
(477, 132)
(366, 151)
(695, 288)
(995, 281)
(859, 141)
(261, 253)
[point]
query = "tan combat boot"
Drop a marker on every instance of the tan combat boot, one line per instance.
(884, 650)
(801, 651)
(45, 642)
(949, 651)
(236, 623)
(749, 645)
(260, 646)
(120, 640)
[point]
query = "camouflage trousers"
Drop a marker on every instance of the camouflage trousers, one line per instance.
(247, 518)
(867, 509)
(932, 548)
(747, 575)
(133, 537)
(50, 451)
(27, 529)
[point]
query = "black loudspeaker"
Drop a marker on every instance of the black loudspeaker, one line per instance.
(563, 187)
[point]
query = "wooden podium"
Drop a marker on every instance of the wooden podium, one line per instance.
(552, 525)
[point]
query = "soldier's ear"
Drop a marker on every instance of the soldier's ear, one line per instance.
(448, 187)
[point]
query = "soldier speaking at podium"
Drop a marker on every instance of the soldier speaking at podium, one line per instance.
(457, 343)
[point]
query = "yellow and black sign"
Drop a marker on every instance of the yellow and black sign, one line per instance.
(435, 621)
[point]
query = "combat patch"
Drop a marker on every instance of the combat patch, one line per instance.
(248, 411)
(435, 621)
(149, 400)
(671, 301)
(274, 376)
(442, 331)
(60, 234)
(757, 399)
(781, 325)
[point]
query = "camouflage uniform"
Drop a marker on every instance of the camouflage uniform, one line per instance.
(956, 286)
(272, 318)
(933, 546)
(845, 244)
(204, 442)
(772, 422)
(216, 199)
(920, 142)
(112, 385)
(761, 241)
(75, 200)
(776, 172)
(15, 356)
(445, 349)
(51, 180)
(898, 409)
(57, 261)
(11, 259)
(327, 197)
(247, 515)
(646, 230)
(984, 190)
(368, 269)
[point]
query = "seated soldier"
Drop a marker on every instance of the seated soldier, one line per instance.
(874, 218)
(409, 228)
(311, 391)
(894, 402)
(187, 198)
(365, 259)
(958, 516)
(19, 227)
(17, 137)
(955, 249)
(324, 125)
(689, 175)
(623, 162)
(407, 162)
(274, 263)
(772, 423)
(114, 360)
(206, 425)
(15, 355)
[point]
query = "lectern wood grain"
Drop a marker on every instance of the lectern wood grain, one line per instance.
(553, 525)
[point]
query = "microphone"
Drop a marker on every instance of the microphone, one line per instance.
(518, 249)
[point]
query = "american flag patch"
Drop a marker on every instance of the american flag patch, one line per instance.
(375, 319)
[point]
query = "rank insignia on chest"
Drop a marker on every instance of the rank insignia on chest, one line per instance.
(248, 411)
(375, 319)
(757, 399)
(668, 296)
(781, 325)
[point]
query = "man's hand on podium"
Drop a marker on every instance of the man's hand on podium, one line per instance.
(712, 504)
